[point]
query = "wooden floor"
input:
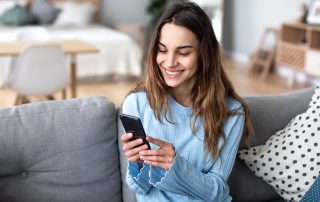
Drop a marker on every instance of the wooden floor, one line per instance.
(245, 83)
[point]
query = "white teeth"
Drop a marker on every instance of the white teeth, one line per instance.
(173, 73)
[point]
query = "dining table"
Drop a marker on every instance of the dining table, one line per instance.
(69, 47)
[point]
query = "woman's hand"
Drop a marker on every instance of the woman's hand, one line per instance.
(131, 148)
(162, 157)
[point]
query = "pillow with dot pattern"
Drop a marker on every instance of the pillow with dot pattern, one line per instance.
(290, 159)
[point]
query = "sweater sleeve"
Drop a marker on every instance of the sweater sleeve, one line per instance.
(137, 179)
(184, 179)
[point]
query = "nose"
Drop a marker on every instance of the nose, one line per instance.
(170, 61)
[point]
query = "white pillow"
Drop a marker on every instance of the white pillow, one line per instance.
(74, 14)
(290, 159)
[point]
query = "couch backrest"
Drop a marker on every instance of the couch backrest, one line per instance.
(60, 151)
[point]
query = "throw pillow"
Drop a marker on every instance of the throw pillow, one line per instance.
(17, 16)
(74, 14)
(314, 193)
(290, 159)
(44, 11)
(7, 4)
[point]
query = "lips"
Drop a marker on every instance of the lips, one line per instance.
(173, 73)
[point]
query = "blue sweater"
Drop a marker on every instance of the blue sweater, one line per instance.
(193, 176)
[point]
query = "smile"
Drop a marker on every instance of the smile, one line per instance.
(173, 73)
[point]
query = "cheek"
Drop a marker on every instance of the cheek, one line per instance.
(159, 59)
(190, 63)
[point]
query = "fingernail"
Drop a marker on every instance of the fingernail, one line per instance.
(141, 153)
(141, 157)
(130, 134)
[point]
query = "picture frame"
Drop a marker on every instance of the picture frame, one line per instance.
(313, 16)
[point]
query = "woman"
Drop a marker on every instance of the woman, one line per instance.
(192, 115)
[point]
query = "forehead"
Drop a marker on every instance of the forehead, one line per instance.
(176, 34)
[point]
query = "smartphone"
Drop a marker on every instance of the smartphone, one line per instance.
(132, 124)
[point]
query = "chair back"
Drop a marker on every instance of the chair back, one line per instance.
(40, 70)
(31, 33)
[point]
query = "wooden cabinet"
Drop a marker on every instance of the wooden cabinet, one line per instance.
(299, 48)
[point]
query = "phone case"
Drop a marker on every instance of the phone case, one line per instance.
(132, 124)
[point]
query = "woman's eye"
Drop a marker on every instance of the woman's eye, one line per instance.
(161, 50)
(184, 53)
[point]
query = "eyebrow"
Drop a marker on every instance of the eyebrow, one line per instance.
(179, 47)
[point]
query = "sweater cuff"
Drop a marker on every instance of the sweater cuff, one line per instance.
(140, 176)
(158, 174)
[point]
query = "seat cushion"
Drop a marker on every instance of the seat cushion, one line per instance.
(60, 151)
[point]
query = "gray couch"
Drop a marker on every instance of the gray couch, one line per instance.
(69, 150)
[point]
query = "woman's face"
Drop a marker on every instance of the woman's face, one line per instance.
(177, 57)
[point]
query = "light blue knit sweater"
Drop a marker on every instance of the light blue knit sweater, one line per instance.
(193, 176)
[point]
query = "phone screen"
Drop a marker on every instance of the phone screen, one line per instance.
(132, 124)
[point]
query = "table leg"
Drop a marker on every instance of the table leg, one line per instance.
(73, 76)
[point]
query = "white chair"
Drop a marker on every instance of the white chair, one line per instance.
(31, 33)
(40, 70)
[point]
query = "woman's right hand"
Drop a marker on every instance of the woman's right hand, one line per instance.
(131, 148)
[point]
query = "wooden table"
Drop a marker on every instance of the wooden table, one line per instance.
(69, 47)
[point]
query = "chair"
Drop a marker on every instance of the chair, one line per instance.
(40, 70)
(31, 33)
(30, 69)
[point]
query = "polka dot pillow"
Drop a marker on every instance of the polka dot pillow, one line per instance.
(290, 159)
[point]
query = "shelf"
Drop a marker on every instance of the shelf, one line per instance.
(294, 34)
(299, 48)
(315, 40)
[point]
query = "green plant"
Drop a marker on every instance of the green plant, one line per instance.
(155, 9)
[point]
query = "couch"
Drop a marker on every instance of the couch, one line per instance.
(70, 151)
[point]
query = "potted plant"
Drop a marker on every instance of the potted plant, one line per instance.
(155, 9)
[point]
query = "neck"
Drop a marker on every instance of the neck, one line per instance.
(183, 98)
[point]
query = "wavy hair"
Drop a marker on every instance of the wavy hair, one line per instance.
(212, 87)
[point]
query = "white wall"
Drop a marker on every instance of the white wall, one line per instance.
(124, 11)
(245, 21)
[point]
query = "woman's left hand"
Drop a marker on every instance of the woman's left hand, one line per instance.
(162, 157)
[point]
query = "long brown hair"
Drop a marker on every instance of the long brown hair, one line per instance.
(212, 86)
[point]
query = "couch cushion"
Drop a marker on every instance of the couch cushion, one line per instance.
(60, 151)
(268, 114)
(128, 194)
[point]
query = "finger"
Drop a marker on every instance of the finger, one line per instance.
(158, 142)
(165, 166)
(134, 158)
(163, 159)
(135, 151)
(154, 152)
(159, 152)
(129, 145)
(126, 137)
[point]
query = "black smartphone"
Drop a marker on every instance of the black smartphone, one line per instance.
(132, 124)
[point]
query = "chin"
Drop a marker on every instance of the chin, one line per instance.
(172, 84)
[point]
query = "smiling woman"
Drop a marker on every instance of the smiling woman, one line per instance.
(178, 60)
(191, 113)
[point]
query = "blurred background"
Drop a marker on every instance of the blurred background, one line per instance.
(269, 46)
